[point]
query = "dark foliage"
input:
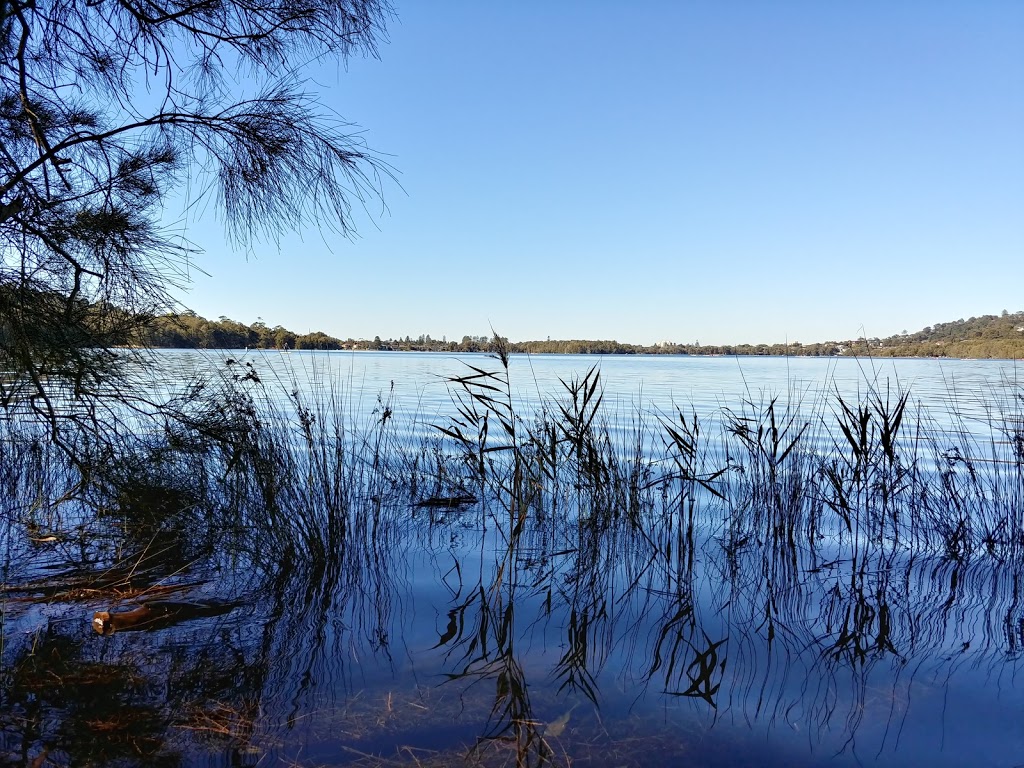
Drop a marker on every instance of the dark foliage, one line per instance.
(108, 107)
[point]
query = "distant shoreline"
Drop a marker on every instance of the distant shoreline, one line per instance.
(988, 337)
(240, 351)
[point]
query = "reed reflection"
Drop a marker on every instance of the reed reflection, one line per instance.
(333, 593)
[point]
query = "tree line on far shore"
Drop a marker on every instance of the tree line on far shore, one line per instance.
(988, 336)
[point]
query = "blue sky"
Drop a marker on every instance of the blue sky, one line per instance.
(716, 171)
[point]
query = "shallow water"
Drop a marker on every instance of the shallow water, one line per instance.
(440, 636)
(415, 383)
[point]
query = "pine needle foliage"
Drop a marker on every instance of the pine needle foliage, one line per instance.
(110, 107)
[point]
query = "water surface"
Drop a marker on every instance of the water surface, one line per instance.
(437, 636)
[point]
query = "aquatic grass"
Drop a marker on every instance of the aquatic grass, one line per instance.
(224, 473)
(976, 500)
(771, 471)
(287, 475)
(614, 527)
(689, 481)
(581, 436)
(484, 398)
(789, 472)
(564, 458)
(867, 471)
(310, 477)
(35, 477)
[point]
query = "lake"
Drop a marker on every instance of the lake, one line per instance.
(583, 588)
(416, 381)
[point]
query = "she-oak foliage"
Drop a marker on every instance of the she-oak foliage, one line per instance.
(106, 107)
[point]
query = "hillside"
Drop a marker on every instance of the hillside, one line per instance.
(996, 336)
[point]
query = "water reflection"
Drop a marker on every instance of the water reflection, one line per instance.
(533, 650)
(560, 608)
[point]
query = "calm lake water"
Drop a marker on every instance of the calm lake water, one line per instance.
(441, 636)
(416, 382)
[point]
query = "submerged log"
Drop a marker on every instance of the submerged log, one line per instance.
(446, 502)
(157, 615)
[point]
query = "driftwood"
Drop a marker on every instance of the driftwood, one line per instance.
(447, 502)
(157, 614)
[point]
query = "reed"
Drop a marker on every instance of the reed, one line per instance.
(771, 473)
(824, 522)
(286, 480)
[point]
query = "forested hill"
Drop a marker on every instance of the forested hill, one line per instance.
(999, 336)
(190, 331)
(992, 336)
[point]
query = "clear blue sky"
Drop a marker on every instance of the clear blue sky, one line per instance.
(713, 171)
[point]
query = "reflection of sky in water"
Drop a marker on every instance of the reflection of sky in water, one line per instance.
(902, 663)
(748, 656)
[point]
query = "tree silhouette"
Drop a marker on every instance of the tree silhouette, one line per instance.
(109, 106)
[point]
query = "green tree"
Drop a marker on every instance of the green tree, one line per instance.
(283, 338)
(107, 106)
